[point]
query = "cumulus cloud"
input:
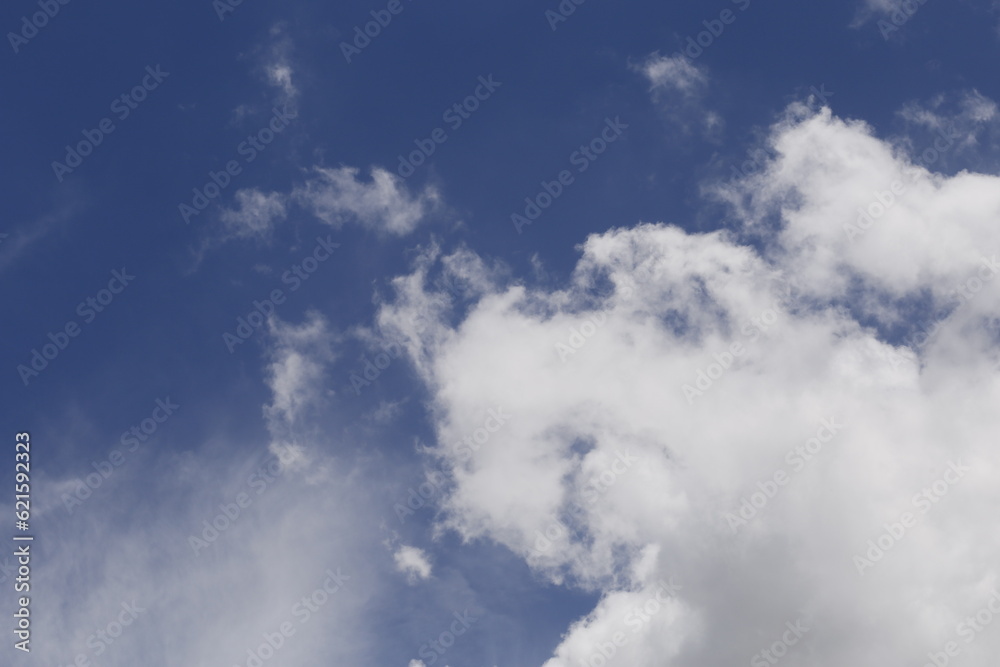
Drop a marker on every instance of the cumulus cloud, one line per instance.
(775, 437)
(383, 204)
(872, 226)
(413, 562)
(255, 215)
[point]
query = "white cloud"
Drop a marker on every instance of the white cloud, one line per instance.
(413, 562)
(336, 196)
(280, 74)
(299, 355)
(969, 108)
(678, 374)
(255, 215)
(269, 538)
(384, 204)
(273, 64)
(278, 68)
(912, 243)
(675, 72)
(969, 114)
(679, 86)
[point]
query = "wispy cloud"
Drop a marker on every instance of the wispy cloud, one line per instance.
(255, 215)
(680, 87)
(384, 204)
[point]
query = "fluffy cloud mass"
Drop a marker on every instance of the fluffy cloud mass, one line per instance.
(772, 439)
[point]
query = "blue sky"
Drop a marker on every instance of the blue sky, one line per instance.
(658, 252)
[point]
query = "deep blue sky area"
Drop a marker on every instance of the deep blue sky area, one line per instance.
(162, 335)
